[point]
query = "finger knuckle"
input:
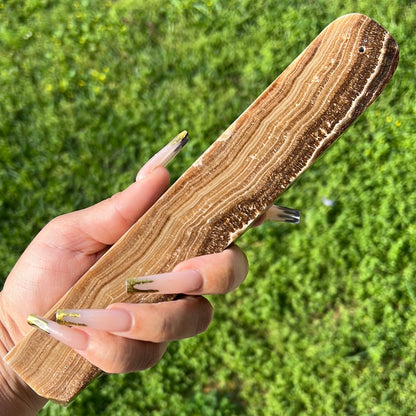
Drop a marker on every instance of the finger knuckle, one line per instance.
(205, 317)
(152, 356)
(118, 362)
(227, 283)
(134, 357)
(165, 330)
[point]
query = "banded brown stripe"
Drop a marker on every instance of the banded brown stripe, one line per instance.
(279, 136)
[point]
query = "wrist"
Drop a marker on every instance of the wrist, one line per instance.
(16, 397)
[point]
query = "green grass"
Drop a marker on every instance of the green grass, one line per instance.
(325, 324)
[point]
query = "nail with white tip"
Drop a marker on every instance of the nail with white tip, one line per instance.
(165, 155)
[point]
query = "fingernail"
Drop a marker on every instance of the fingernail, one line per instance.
(110, 320)
(164, 156)
(278, 214)
(283, 214)
(75, 339)
(185, 281)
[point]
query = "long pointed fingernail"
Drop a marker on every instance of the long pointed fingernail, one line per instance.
(111, 320)
(164, 156)
(75, 339)
(185, 281)
(278, 214)
(282, 214)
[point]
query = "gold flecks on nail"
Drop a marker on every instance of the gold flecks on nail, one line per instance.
(180, 137)
(62, 315)
(133, 285)
(38, 323)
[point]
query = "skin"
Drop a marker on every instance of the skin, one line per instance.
(64, 250)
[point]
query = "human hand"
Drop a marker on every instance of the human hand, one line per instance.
(130, 337)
